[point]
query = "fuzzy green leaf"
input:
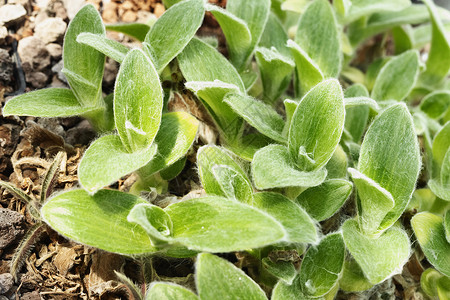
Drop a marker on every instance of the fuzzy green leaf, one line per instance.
(210, 156)
(447, 225)
(276, 70)
(136, 30)
(216, 224)
(138, 101)
(356, 116)
(403, 38)
(174, 138)
(255, 14)
(398, 77)
(438, 189)
(168, 291)
(102, 44)
(320, 40)
(441, 144)
(353, 279)
(360, 8)
(199, 62)
(307, 71)
(317, 126)
(274, 35)
(430, 233)
(106, 160)
(154, 220)
(390, 156)
(271, 161)
(236, 31)
(98, 220)
(83, 65)
(375, 202)
(323, 201)
(322, 266)
(436, 104)
(390, 251)
(293, 291)
(228, 284)
(258, 114)
(233, 184)
(284, 270)
(173, 31)
(438, 62)
(51, 102)
(298, 224)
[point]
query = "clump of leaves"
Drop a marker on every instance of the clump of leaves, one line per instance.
(320, 147)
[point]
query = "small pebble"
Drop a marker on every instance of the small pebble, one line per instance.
(6, 282)
(50, 30)
(11, 14)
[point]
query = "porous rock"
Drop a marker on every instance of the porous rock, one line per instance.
(11, 14)
(6, 282)
(11, 226)
(51, 30)
(6, 68)
(32, 51)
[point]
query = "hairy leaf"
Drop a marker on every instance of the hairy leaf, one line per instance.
(106, 160)
(323, 201)
(98, 220)
(215, 224)
(390, 251)
(168, 291)
(317, 125)
(136, 30)
(436, 104)
(258, 114)
(230, 283)
(102, 44)
(360, 8)
(173, 31)
(233, 184)
(430, 233)
(83, 65)
(353, 279)
(274, 35)
(397, 78)
(298, 224)
(322, 265)
(356, 116)
(271, 161)
(138, 101)
(51, 102)
(284, 270)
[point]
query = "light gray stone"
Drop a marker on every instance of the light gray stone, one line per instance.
(32, 51)
(11, 226)
(6, 282)
(55, 50)
(50, 30)
(73, 6)
(11, 14)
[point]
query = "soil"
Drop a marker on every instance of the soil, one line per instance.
(54, 267)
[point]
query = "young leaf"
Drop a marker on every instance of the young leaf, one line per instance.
(430, 233)
(210, 156)
(51, 102)
(375, 202)
(98, 220)
(353, 279)
(230, 283)
(106, 160)
(298, 224)
(317, 125)
(438, 62)
(441, 144)
(258, 114)
(397, 78)
(320, 40)
(136, 30)
(447, 225)
(307, 71)
(390, 156)
(83, 65)
(284, 270)
(284, 291)
(154, 220)
(274, 35)
(390, 251)
(138, 101)
(173, 31)
(358, 9)
(276, 70)
(436, 104)
(175, 136)
(323, 201)
(255, 14)
(236, 31)
(356, 116)
(271, 161)
(201, 62)
(322, 266)
(49, 177)
(233, 184)
(168, 291)
(216, 224)
(403, 38)
(101, 43)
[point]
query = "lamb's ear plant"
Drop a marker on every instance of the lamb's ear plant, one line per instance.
(83, 68)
